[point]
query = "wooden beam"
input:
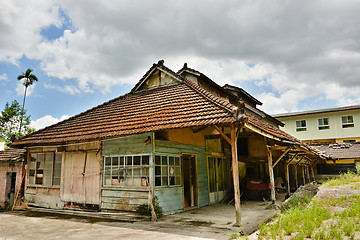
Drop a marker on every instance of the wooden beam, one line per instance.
(282, 155)
(303, 174)
(287, 178)
(223, 134)
(308, 173)
(271, 173)
(292, 158)
(296, 177)
(235, 167)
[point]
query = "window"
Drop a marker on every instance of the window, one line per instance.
(167, 170)
(323, 123)
(126, 170)
(301, 125)
(45, 169)
(347, 121)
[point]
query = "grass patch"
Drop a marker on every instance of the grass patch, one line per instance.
(327, 218)
(343, 179)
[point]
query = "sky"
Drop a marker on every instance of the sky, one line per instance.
(291, 55)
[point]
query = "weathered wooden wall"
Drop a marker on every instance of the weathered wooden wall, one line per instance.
(120, 198)
(171, 199)
(81, 177)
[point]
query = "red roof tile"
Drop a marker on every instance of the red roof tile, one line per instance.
(12, 154)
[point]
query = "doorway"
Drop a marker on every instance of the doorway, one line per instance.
(219, 178)
(189, 180)
(10, 191)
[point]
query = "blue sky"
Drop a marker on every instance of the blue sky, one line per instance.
(291, 55)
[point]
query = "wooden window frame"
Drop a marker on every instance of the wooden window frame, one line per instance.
(35, 169)
(118, 175)
(167, 175)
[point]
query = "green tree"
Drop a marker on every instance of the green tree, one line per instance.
(9, 122)
(28, 79)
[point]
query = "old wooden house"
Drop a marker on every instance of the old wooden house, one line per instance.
(181, 132)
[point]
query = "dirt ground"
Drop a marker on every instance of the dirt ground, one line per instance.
(210, 222)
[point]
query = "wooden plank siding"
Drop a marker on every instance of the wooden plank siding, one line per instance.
(126, 199)
(123, 199)
(170, 199)
(133, 144)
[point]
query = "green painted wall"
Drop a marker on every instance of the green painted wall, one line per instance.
(133, 144)
(170, 199)
(178, 148)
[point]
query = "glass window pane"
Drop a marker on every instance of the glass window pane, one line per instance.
(129, 160)
(136, 160)
(145, 160)
(121, 161)
(157, 160)
(107, 161)
(157, 170)
(115, 161)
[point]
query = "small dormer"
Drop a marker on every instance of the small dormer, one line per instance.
(158, 75)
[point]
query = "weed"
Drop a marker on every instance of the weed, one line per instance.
(320, 234)
(236, 235)
(334, 234)
(348, 229)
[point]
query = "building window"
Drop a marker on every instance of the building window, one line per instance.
(323, 123)
(167, 170)
(45, 169)
(301, 125)
(347, 121)
(126, 170)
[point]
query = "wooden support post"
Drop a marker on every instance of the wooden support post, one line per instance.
(303, 174)
(235, 167)
(296, 177)
(308, 174)
(312, 172)
(287, 178)
(271, 174)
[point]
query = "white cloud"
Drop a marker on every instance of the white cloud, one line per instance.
(20, 24)
(3, 77)
(20, 90)
(291, 50)
(46, 121)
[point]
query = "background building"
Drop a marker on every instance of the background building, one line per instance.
(334, 132)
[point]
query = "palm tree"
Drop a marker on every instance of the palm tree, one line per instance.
(29, 80)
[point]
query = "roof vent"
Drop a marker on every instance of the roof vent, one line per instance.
(185, 65)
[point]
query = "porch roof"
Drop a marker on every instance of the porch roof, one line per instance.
(12, 154)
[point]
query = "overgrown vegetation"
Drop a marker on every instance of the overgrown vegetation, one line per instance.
(325, 218)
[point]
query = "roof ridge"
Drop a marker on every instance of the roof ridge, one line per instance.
(159, 65)
(212, 98)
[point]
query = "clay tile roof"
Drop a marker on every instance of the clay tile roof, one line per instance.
(12, 154)
(179, 105)
(171, 106)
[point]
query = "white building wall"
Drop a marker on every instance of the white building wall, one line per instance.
(313, 133)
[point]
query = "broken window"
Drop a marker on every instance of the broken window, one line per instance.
(167, 170)
(301, 125)
(45, 169)
(347, 121)
(126, 170)
(323, 123)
